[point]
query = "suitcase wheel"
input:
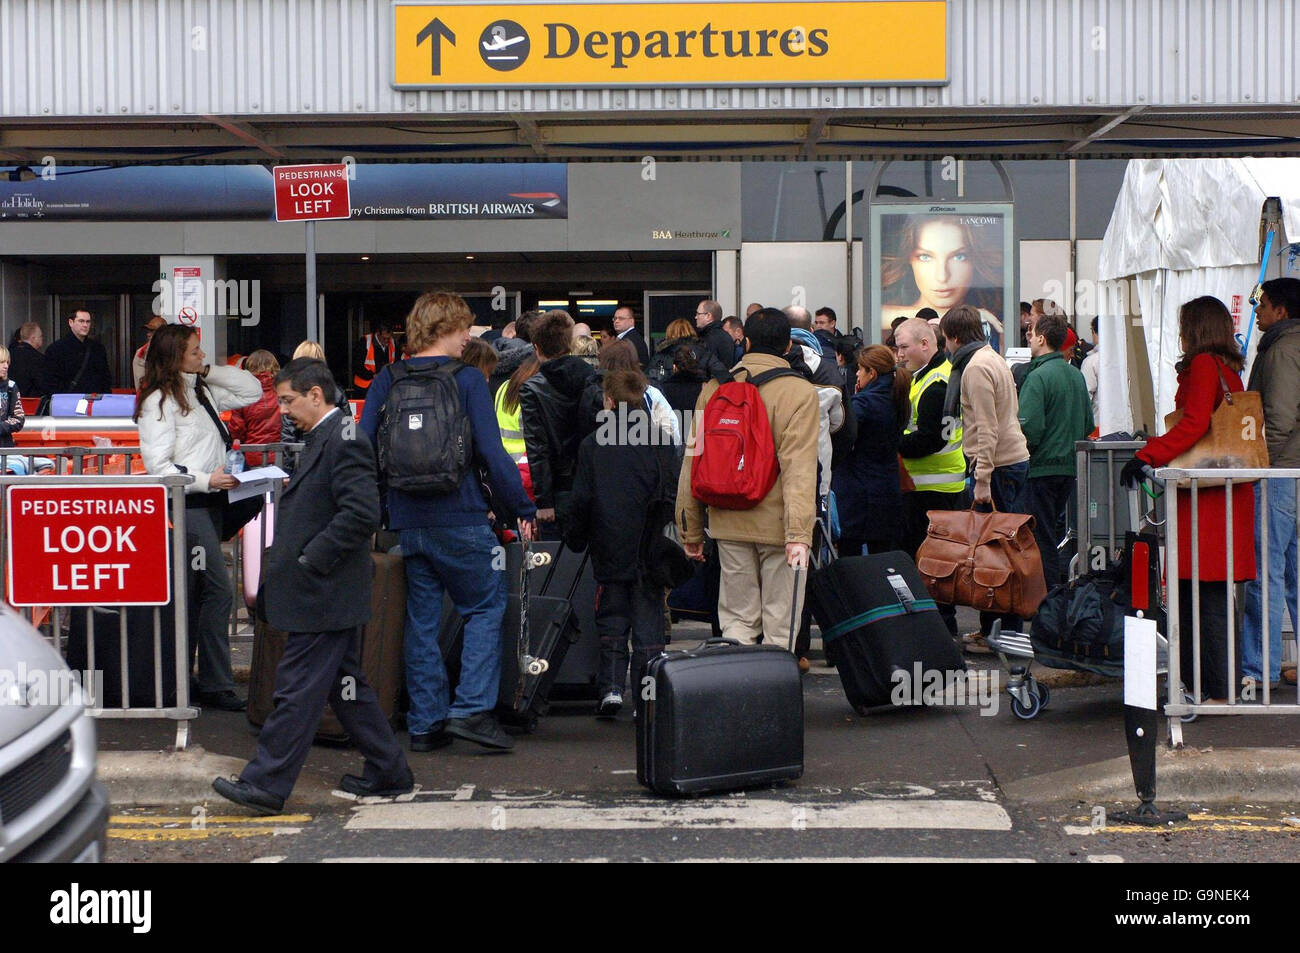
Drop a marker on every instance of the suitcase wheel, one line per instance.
(1030, 709)
(536, 666)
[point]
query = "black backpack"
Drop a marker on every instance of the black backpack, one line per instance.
(425, 441)
(661, 366)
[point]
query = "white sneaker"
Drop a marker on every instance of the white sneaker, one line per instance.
(609, 705)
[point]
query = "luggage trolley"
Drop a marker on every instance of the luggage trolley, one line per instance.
(1015, 649)
(1029, 696)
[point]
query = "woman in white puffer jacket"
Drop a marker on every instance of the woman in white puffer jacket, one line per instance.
(179, 435)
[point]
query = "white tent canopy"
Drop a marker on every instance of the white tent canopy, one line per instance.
(1182, 228)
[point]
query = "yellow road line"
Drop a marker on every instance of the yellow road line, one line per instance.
(1221, 828)
(187, 834)
(219, 819)
(1197, 818)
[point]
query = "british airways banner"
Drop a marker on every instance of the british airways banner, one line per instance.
(411, 191)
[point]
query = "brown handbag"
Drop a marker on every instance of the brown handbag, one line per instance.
(1235, 439)
(988, 561)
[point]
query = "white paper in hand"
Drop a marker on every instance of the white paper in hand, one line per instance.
(255, 482)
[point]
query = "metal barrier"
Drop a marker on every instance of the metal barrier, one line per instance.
(1104, 510)
(1191, 701)
(181, 710)
(71, 461)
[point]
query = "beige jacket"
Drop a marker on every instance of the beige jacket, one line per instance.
(991, 434)
(788, 512)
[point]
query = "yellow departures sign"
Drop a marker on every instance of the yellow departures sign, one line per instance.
(853, 42)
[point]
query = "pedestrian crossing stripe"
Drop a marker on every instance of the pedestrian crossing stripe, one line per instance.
(723, 815)
(684, 860)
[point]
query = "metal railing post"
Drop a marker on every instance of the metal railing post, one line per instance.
(1174, 676)
(180, 611)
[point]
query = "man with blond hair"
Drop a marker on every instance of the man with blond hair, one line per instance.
(447, 542)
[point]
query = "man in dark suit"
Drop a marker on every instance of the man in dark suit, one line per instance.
(77, 363)
(625, 329)
(324, 521)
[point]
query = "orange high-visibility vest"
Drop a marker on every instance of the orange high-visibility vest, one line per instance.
(369, 363)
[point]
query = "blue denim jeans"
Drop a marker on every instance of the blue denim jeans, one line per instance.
(459, 561)
(1281, 581)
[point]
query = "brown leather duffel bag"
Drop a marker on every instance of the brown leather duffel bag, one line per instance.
(988, 561)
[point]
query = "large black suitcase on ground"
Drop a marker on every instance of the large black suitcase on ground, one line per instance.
(140, 653)
(723, 716)
(876, 617)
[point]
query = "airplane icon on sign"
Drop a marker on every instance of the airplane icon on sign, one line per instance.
(499, 41)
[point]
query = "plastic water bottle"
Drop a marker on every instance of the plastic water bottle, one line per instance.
(234, 460)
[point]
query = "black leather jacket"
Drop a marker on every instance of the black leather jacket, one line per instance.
(550, 418)
(720, 348)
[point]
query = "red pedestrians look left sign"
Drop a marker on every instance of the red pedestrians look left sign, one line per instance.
(87, 545)
(309, 192)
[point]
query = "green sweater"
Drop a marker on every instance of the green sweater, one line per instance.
(1054, 412)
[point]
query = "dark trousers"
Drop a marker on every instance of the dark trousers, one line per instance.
(1214, 637)
(915, 523)
(318, 667)
(626, 610)
(1008, 489)
(1047, 499)
(211, 595)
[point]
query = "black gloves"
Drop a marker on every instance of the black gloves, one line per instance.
(1134, 472)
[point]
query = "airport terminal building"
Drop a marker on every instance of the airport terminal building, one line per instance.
(584, 156)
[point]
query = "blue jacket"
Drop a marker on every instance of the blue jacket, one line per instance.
(866, 487)
(467, 506)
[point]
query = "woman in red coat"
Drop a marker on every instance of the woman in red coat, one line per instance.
(260, 422)
(1210, 362)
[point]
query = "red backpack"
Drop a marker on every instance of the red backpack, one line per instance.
(736, 465)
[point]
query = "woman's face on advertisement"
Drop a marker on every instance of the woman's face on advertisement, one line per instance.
(942, 266)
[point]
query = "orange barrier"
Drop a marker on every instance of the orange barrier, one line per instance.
(57, 436)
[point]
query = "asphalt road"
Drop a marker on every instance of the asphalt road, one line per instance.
(918, 784)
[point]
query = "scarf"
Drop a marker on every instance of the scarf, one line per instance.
(1275, 332)
(952, 399)
(807, 339)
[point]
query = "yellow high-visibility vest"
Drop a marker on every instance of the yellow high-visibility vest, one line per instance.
(944, 471)
(512, 437)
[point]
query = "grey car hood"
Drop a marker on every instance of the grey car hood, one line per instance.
(26, 662)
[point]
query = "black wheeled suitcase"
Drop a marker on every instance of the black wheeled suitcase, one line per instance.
(552, 627)
(721, 716)
(576, 679)
(535, 646)
(877, 618)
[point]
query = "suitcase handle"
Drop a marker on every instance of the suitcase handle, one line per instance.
(719, 640)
